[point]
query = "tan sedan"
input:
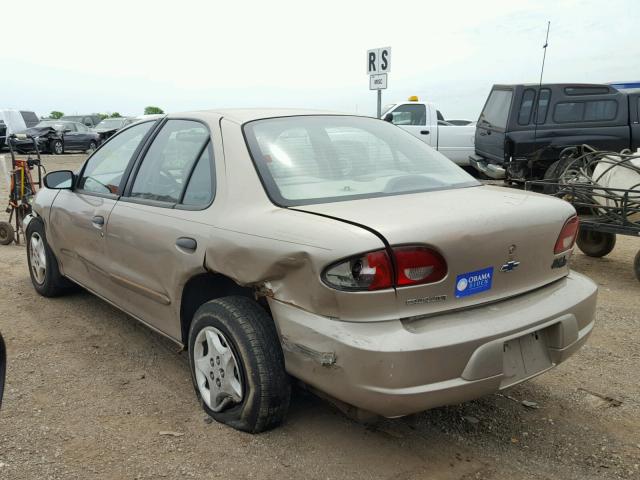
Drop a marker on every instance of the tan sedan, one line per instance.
(336, 249)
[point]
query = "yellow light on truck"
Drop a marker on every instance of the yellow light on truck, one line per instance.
(413, 98)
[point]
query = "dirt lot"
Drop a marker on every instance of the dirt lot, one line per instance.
(89, 392)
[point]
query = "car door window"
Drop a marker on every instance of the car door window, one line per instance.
(104, 170)
(70, 126)
(409, 114)
(201, 187)
(81, 128)
(167, 165)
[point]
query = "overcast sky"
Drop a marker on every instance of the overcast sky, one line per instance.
(83, 57)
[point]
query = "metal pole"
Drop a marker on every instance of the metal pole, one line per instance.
(379, 103)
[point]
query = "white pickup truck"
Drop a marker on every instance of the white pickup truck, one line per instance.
(424, 121)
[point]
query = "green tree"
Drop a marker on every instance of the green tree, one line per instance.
(152, 110)
(56, 114)
(102, 115)
(115, 115)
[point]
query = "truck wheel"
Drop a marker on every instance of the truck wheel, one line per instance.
(237, 364)
(56, 147)
(551, 174)
(7, 235)
(596, 244)
(43, 265)
(636, 266)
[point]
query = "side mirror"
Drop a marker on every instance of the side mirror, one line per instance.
(59, 180)
(388, 118)
(67, 130)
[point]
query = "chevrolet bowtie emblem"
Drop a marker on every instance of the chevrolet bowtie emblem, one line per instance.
(510, 266)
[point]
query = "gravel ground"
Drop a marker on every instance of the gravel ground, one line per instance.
(91, 394)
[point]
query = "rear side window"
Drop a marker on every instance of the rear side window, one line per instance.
(496, 110)
(410, 114)
(543, 105)
(526, 106)
(592, 111)
(200, 189)
(168, 163)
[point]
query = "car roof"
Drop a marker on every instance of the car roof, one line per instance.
(244, 115)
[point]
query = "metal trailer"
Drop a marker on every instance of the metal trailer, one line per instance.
(604, 213)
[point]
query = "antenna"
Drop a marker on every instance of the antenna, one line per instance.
(544, 57)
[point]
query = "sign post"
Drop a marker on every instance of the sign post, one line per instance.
(378, 65)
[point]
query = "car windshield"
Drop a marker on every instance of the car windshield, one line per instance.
(52, 123)
(317, 159)
(111, 123)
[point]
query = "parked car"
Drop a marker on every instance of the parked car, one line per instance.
(107, 127)
(523, 128)
(59, 136)
(87, 120)
(15, 121)
(333, 248)
(425, 122)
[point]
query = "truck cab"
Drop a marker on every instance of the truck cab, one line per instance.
(523, 128)
(424, 121)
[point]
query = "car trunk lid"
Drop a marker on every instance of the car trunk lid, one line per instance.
(497, 242)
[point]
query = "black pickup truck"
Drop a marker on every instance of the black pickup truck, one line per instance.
(523, 128)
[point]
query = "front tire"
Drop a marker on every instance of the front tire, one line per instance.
(56, 147)
(237, 365)
(43, 265)
(92, 146)
(596, 244)
(7, 234)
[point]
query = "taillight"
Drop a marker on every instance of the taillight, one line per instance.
(567, 236)
(415, 265)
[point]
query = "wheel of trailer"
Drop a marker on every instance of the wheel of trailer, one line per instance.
(7, 234)
(92, 147)
(596, 244)
(56, 147)
(237, 364)
(636, 266)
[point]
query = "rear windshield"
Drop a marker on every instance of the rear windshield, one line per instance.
(318, 159)
(496, 110)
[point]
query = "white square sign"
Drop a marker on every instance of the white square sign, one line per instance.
(378, 82)
(379, 61)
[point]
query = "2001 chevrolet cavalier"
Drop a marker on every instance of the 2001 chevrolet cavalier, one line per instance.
(336, 249)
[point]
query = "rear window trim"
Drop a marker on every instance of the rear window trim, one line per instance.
(272, 191)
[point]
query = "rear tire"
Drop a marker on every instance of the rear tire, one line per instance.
(246, 335)
(551, 174)
(595, 244)
(43, 265)
(7, 234)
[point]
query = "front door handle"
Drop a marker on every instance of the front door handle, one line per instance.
(187, 243)
(424, 132)
(98, 221)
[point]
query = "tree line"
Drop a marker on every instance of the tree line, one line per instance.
(150, 110)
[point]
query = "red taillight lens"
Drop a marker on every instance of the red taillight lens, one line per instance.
(567, 236)
(417, 265)
(371, 271)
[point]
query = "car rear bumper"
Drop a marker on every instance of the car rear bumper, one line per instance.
(399, 367)
(491, 170)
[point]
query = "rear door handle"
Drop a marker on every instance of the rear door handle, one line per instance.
(424, 132)
(98, 221)
(187, 243)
